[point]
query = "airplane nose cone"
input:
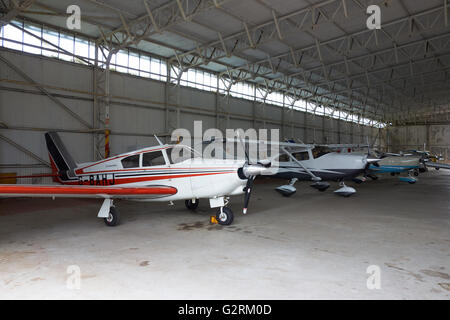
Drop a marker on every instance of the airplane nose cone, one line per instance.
(372, 160)
(253, 170)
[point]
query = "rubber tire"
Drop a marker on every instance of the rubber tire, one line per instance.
(229, 216)
(437, 168)
(115, 215)
(190, 205)
(416, 173)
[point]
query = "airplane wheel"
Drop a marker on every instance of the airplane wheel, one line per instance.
(191, 205)
(416, 173)
(224, 216)
(113, 218)
(437, 168)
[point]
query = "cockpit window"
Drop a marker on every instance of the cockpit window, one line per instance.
(154, 158)
(179, 154)
(283, 158)
(131, 161)
(320, 151)
(300, 156)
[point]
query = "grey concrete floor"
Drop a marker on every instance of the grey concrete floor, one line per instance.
(313, 245)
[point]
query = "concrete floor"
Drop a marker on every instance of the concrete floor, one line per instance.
(313, 245)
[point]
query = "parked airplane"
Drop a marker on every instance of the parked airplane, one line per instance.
(411, 161)
(311, 163)
(149, 174)
(396, 165)
(428, 159)
(319, 164)
(387, 162)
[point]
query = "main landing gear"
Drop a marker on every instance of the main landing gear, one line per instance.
(109, 213)
(410, 179)
(224, 215)
(344, 190)
(288, 189)
(113, 218)
(191, 204)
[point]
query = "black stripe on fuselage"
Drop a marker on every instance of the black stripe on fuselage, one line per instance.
(325, 174)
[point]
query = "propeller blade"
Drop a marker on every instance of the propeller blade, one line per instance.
(245, 149)
(248, 191)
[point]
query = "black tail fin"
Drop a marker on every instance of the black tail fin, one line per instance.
(60, 158)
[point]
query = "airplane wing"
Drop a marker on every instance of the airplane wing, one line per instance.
(105, 192)
(437, 165)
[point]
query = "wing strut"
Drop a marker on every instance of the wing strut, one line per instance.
(313, 176)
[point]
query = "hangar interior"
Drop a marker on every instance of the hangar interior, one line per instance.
(310, 68)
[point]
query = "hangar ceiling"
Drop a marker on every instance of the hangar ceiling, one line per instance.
(319, 50)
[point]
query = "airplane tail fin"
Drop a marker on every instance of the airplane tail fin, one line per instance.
(60, 159)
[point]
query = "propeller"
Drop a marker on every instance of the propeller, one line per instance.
(250, 171)
(373, 161)
(370, 160)
(248, 192)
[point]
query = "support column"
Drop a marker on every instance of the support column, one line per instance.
(428, 136)
(166, 99)
(324, 140)
(305, 128)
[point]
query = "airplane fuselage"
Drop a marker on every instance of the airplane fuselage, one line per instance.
(329, 167)
(396, 164)
(192, 178)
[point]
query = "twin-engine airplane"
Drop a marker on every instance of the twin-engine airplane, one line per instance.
(151, 174)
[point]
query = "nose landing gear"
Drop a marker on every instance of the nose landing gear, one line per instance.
(224, 216)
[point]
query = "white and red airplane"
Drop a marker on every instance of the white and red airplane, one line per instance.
(148, 174)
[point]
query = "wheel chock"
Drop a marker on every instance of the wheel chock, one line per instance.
(213, 220)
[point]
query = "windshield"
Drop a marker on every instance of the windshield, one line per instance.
(179, 153)
(320, 151)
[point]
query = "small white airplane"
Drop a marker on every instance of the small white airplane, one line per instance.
(319, 164)
(148, 174)
(411, 161)
(310, 163)
(395, 164)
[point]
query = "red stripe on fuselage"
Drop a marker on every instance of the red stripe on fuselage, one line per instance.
(57, 190)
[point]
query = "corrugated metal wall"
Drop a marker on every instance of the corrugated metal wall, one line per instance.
(435, 137)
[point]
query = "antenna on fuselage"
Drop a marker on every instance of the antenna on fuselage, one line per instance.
(157, 139)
